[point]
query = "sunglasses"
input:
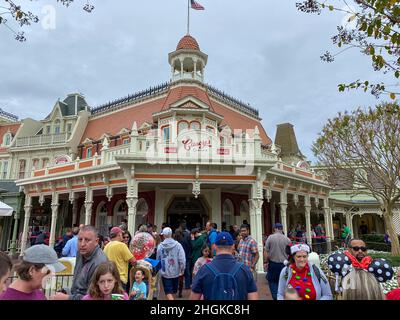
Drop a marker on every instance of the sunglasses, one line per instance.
(363, 249)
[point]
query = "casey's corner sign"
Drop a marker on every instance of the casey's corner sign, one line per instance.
(191, 145)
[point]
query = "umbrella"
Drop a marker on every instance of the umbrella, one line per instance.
(5, 210)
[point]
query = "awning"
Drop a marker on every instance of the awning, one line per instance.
(5, 210)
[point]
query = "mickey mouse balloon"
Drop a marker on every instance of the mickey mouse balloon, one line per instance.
(339, 263)
(381, 269)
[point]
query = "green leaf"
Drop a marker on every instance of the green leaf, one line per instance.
(331, 8)
(397, 74)
(386, 29)
(392, 96)
(372, 50)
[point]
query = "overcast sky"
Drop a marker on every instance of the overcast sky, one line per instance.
(262, 52)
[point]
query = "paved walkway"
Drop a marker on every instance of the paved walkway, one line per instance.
(262, 285)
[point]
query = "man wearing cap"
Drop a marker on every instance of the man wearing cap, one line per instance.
(89, 257)
(204, 283)
(116, 250)
(173, 262)
(38, 262)
(275, 254)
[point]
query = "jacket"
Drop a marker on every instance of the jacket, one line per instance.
(322, 288)
(83, 273)
(172, 257)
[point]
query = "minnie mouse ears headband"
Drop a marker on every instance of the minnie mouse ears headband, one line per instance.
(299, 247)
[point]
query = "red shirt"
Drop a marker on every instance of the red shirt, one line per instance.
(393, 295)
(301, 280)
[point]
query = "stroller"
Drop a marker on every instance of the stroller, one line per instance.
(150, 268)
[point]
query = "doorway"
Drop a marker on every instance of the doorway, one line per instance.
(188, 208)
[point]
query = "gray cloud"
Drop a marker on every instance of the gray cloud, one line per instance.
(262, 53)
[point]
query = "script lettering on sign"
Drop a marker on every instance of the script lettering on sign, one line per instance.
(189, 144)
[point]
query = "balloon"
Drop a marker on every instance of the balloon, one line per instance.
(143, 245)
(339, 263)
(381, 269)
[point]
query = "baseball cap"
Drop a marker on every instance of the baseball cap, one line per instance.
(224, 239)
(41, 253)
(278, 226)
(166, 231)
(115, 231)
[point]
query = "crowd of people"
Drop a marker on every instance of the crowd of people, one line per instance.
(212, 264)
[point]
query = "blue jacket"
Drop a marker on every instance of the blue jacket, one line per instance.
(322, 289)
(71, 248)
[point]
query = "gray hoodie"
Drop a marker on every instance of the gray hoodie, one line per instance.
(172, 257)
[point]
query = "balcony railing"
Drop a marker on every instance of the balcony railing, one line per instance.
(42, 140)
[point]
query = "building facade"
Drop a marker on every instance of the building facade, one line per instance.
(180, 150)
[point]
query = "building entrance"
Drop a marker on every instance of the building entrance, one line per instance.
(193, 210)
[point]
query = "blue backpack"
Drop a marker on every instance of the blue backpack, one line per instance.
(225, 285)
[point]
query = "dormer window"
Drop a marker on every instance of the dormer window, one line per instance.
(166, 134)
(48, 128)
(57, 127)
(89, 152)
(7, 139)
(195, 125)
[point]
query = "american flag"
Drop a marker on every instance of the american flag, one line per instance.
(196, 6)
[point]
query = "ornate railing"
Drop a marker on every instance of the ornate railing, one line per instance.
(42, 139)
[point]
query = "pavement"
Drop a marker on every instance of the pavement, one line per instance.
(262, 286)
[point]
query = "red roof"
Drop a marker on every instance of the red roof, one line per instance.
(113, 122)
(188, 42)
(12, 127)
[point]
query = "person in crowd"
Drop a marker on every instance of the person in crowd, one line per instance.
(299, 232)
(34, 235)
(105, 284)
(309, 280)
(359, 284)
(38, 262)
(71, 247)
(395, 293)
(139, 289)
(198, 241)
(345, 235)
(59, 246)
(357, 253)
(126, 238)
(173, 263)
(236, 279)
(124, 225)
(117, 251)
(275, 254)
(386, 238)
(89, 257)
(291, 294)
(5, 270)
(201, 261)
(186, 242)
(320, 237)
(247, 248)
(211, 236)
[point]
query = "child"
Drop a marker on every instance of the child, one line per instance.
(291, 294)
(139, 289)
(202, 260)
(106, 284)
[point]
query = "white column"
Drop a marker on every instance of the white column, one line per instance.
(283, 206)
(327, 222)
(88, 206)
(349, 222)
(132, 200)
(54, 214)
(28, 209)
(307, 207)
(256, 203)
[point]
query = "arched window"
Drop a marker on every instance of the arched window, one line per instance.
(22, 165)
(195, 125)
(183, 125)
(244, 211)
(101, 219)
(228, 212)
(7, 139)
(120, 210)
(142, 211)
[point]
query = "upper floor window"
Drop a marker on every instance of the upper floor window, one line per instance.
(125, 141)
(195, 125)
(210, 129)
(22, 165)
(166, 134)
(69, 127)
(45, 161)
(48, 128)
(89, 152)
(183, 125)
(35, 164)
(57, 127)
(4, 170)
(7, 139)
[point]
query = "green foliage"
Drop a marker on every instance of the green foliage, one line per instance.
(377, 34)
(394, 260)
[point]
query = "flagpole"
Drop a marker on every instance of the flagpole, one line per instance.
(188, 20)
